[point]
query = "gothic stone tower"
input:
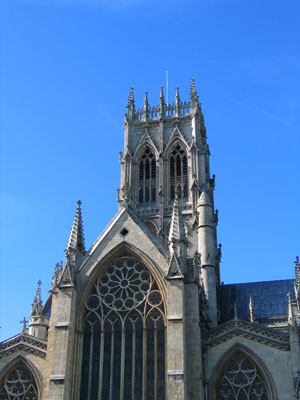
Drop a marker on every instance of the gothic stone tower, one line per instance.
(141, 315)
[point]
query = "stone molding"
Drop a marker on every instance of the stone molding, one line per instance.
(24, 342)
(247, 330)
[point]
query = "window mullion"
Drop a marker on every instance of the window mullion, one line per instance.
(91, 360)
(133, 362)
(101, 364)
(144, 363)
(155, 359)
(122, 363)
(112, 348)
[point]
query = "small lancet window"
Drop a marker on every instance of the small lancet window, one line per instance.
(147, 177)
(178, 173)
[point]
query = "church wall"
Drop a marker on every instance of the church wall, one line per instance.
(193, 342)
(277, 363)
(176, 363)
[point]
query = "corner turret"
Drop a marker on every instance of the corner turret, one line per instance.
(38, 323)
(208, 250)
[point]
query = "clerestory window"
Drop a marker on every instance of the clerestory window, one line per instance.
(124, 335)
(147, 177)
(18, 384)
(178, 173)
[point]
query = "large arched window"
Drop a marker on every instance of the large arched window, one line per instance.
(18, 384)
(124, 335)
(147, 177)
(178, 173)
(240, 378)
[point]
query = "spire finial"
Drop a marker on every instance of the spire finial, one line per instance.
(193, 95)
(146, 101)
(131, 97)
(193, 92)
(38, 290)
(297, 271)
(37, 307)
(161, 95)
(76, 239)
(177, 103)
(161, 102)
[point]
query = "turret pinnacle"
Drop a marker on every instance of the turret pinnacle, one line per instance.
(177, 230)
(193, 92)
(130, 98)
(130, 105)
(37, 307)
(161, 96)
(76, 239)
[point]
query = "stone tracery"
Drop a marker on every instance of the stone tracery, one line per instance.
(124, 328)
(18, 384)
(241, 379)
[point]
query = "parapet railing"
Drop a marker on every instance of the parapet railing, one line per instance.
(172, 110)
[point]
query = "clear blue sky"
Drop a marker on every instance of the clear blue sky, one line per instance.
(66, 69)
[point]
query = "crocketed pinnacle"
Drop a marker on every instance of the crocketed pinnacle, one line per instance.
(177, 230)
(36, 308)
(146, 104)
(177, 98)
(131, 98)
(76, 239)
(193, 92)
(161, 97)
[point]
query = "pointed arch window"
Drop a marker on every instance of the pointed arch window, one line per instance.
(124, 335)
(178, 173)
(242, 379)
(147, 177)
(18, 384)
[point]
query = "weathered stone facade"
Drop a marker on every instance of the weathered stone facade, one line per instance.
(142, 314)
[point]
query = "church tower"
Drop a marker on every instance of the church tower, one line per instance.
(166, 156)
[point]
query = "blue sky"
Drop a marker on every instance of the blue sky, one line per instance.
(66, 69)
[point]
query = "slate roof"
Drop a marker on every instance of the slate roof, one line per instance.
(269, 298)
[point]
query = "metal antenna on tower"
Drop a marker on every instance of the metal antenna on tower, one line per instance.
(167, 86)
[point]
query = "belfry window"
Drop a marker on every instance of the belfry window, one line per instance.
(241, 379)
(178, 173)
(147, 177)
(124, 335)
(18, 384)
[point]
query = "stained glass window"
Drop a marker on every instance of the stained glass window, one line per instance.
(241, 379)
(124, 335)
(18, 384)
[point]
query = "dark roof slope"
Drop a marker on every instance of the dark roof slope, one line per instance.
(269, 298)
